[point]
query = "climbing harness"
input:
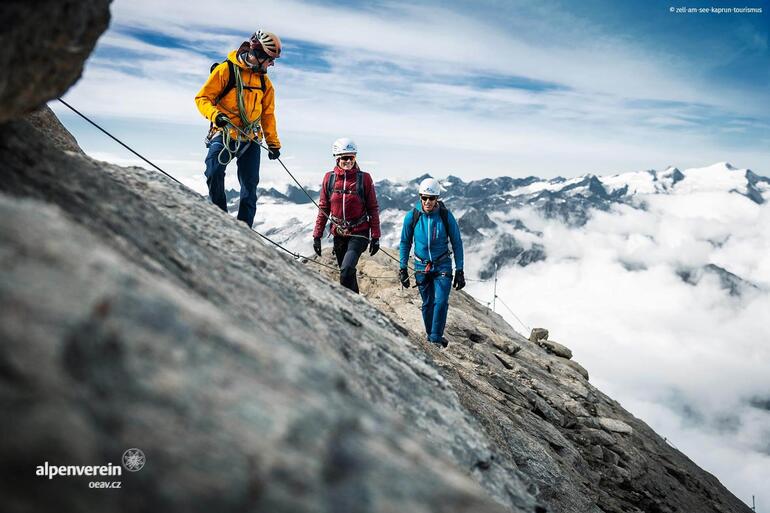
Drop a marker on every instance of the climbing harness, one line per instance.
(429, 264)
(344, 228)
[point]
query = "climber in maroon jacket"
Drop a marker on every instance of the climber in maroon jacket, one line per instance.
(349, 202)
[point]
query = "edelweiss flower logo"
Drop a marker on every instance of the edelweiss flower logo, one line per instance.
(133, 460)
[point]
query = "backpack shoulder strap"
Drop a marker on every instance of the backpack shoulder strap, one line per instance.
(230, 79)
(415, 217)
(330, 185)
(360, 187)
(444, 214)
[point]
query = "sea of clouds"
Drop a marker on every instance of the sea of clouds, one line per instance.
(690, 359)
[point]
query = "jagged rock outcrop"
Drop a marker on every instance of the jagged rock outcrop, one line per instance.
(43, 46)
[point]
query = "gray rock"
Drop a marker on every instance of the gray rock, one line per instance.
(556, 348)
(579, 368)
(616, 426)
(538, 334)
(43, 46)
(46, 122)
(508, 348)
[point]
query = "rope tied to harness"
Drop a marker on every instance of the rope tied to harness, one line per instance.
(250, 131)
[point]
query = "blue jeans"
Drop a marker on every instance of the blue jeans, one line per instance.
(248, 176)
(435, 287)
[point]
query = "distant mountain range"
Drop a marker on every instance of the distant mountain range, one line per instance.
(487, 209)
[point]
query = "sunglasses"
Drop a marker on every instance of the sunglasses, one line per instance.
(429, 198)
(261, 56)
(346, 158)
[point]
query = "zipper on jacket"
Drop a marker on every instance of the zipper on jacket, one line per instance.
(430, 257)
(344, 192)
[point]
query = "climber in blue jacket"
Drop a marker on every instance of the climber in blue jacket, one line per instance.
(432, 226)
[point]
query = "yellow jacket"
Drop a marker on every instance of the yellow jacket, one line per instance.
(255, 102)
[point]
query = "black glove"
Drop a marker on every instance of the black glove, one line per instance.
(459, 280)
(221, 120)
(403, 276)
(317, 245)
(273, 153)
(374, 246)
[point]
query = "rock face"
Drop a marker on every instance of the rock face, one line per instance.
(43, 46)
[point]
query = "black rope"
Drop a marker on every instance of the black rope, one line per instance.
(73, 109)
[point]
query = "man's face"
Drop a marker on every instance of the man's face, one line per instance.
(428, 202)
(346, 161)
(259, 61)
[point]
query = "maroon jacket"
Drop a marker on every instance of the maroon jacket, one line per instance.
(348, 206)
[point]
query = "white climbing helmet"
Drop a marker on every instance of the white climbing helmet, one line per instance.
(344, 146)
(430, 187)
(268, 42)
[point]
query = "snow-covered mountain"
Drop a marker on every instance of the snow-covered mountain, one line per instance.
(502, 219)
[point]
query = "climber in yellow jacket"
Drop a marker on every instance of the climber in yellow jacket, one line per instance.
(238, 93)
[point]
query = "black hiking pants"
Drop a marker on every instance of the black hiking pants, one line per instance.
(348, 250)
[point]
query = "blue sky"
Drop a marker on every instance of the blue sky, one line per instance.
(473, 89)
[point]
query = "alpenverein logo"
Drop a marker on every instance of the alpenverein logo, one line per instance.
(51, 471)
(133, 459)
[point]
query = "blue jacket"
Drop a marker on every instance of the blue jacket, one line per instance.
(430, 239)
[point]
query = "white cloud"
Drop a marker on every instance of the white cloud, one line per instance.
(686, 359)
